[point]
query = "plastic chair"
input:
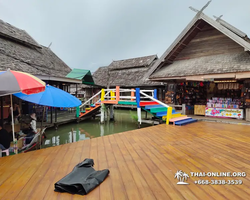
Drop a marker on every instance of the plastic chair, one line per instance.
(6, 151)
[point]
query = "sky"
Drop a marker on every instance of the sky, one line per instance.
(88, 34)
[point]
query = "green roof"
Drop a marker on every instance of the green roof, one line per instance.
(82, 74)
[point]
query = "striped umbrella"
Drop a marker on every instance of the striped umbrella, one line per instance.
(12, 82)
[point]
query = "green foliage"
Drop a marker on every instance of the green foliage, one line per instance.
(133, 116)
(103, 107)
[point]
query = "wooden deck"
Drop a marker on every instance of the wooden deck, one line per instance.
(142, 164)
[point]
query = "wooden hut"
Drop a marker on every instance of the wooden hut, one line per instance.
(128, 73)
(207, 53)
(19, 51)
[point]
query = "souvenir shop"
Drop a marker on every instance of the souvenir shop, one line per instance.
(221, 98)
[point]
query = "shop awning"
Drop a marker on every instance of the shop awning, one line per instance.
(82, 74)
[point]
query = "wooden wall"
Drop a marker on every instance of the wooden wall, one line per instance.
(209, 41)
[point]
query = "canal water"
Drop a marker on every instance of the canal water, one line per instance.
(125, 120)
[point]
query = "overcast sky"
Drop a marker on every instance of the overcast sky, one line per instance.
(88, 34)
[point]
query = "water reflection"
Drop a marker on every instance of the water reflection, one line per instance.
(90, 129)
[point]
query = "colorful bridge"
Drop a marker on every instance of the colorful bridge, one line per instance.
(143, 99)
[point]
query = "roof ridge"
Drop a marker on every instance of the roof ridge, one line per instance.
(245, 44)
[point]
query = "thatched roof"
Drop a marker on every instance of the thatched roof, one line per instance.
(169, 66)
(16, 34)
(132, 63)
(126, 73)
(29, 58)
(214, 64)
(100, 76)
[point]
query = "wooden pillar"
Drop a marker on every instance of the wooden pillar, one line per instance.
(155, 93)
(51, 115)
(102, 113)
(76, 90)
(132, 94)
(55, 114)
(138, 105)
(111, 112)
(1, 111)
(117, 90)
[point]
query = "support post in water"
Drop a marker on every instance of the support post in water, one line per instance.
(137, 90)
(102, 113)
(111, 112)
(72, 135)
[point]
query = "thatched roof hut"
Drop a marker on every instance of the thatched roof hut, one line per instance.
(126, 73)
(19, 51)
(205, 49)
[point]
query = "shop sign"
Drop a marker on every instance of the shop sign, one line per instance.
(208, 79)
(222, 112)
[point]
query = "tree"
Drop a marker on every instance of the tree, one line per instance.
(178, 175)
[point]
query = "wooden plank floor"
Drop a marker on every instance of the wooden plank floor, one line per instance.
(142, 164)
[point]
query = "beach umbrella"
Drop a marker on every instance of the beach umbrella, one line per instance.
(53, 97)
(14, 81)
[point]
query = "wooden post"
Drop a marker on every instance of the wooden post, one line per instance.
(1, 111)
(169, 114)
(77, 111)
(102, 113)
(112, 95)
(102, 95)
(40, 145)
(155, 93)
(117, 89)
(184, 109)
(111, 112)
(138, 104)
(55, 114)
(132, 94)
(72, 135)
(51, 115)
(76, 91)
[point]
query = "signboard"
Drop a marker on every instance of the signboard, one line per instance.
(208, 79)
(222, 112)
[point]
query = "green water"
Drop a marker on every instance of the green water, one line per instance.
(124, 121)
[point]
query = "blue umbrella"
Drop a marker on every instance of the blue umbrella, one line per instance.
(52, 96)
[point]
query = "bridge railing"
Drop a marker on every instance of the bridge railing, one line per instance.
(115, 95)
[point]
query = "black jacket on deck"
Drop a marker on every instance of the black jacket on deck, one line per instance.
(82, 179)
(5, 138)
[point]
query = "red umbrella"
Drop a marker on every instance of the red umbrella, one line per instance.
(12, 82)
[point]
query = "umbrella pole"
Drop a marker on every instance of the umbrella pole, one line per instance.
(12, 122)
(42, 128)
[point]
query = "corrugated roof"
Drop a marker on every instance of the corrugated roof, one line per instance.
(81, 74)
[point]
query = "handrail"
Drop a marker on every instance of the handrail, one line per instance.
(165, 105)
(90, 99)
(147, 90)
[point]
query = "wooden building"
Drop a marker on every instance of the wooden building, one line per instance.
(207, 53)
(128, 73)
(20, 52)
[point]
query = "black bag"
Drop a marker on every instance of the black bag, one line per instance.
(82, 179)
